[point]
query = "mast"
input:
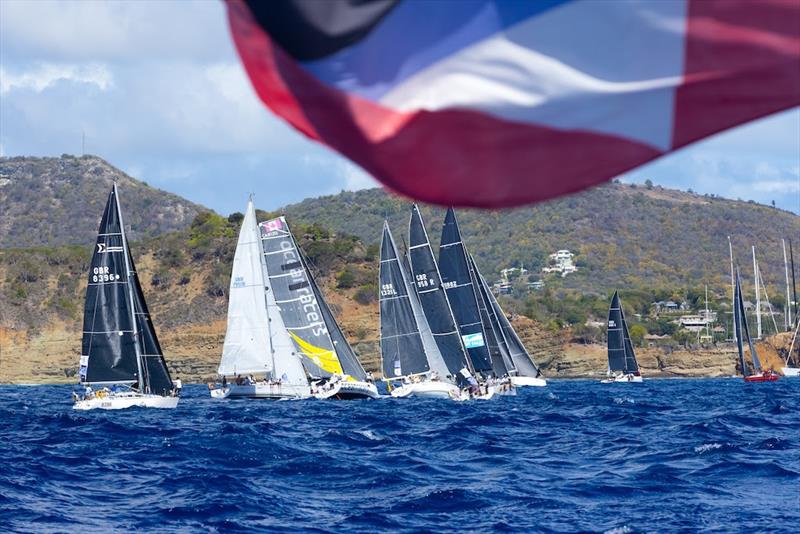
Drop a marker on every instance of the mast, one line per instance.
(787, 316)
(758, 294)
(143, 385)
(737, 324)
(794, 285)
(707, 316)
(733, 283)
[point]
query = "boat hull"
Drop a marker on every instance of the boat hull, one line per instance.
(624, 379)
(528, 381)
(262, 391)
(427, 390)
(793, 372)
(769, 376)
(505, 389)
(349, 390)
(128, 400)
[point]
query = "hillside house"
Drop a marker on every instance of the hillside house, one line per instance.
(561, 263)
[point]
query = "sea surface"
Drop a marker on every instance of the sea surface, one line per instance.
(704, 455)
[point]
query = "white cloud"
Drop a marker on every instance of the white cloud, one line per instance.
(121, 30)
(43, 75)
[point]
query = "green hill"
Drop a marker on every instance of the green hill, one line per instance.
(623, 236)
(58, 201)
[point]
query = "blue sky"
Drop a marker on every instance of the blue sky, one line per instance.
(158, 90)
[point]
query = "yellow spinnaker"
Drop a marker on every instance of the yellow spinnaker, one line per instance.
(324, 359)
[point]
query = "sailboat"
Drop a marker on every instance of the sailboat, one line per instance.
(520, 364)
(256, 340)
(332, 367)
(788, 369)
(742, 332)
(622, 364)
(438, 311)
(409, 353)
(121, 363)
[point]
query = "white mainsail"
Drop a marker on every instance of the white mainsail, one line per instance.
(256, 340)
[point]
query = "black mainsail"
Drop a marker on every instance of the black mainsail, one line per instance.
(119, 342)
(620, 349)
(402, 349)
(741, 329)
(461, 292)
(433, 297)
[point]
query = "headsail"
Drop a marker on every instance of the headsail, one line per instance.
(247, 338)
(521, 359)
(461, 293)
(495, 340)
(119, 342)
(433, 297)
(620, 349)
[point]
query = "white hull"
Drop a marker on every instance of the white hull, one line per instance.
(506, 389)
(427, 390)
(528, 381)
(262, 391)
(126, 400)
(623, 378)
(791, 371)
(349, 390)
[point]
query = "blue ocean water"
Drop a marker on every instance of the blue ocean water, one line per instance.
(714, 455)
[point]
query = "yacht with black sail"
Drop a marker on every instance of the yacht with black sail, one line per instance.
(121, 364)
(409, 353)
(522, 369)
(332, 366)
(438, 311)
(622, 364)
(742, 332)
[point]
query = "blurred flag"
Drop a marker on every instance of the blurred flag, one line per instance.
(498, 103)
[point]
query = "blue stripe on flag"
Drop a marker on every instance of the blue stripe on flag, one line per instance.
(417, 35)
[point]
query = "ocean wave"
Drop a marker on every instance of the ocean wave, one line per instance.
(675, 455)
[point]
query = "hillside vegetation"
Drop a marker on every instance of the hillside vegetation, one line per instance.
(59, 201)
(651, 243)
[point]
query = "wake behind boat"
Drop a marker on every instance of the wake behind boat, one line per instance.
(121, 365)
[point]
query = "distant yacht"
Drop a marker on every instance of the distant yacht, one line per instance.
(742, 332)
(622, 364)
(121, 363)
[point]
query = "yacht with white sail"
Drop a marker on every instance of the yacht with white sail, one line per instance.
(257, 343)
(622, 364)
(121, 364)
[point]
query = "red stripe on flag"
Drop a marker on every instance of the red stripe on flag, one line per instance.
(451, 157)
(742, 62)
